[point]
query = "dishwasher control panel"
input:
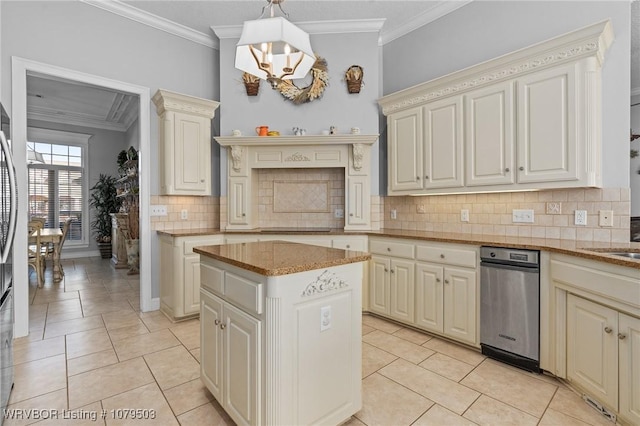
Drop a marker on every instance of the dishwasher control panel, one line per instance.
(507, 255)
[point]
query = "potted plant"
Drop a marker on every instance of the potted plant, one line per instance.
(104, 201)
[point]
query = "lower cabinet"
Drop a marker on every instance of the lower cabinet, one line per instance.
(603, 352)
(230, 359)
(392, 291)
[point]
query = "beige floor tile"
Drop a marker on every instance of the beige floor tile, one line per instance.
(196, 354)
(91, 362)
(73, 326)
(65, 306)
(47, 296)
(205, 415)
(374, 359)
(440, 416)
(510, 386)
(568, 402)
(105, 382)
(56, 400)
(89, 415)
(188, 333)
(148, 397)
(488, 411)
(366, 329)
(120, 319)
(380, 324)
(443, 391)
(455, 351)
(555, 418)
(87, 342)
(33, 336)
(37, 350)
(385, 402)
(93, 292)
(83, 285)
(412, 335)
(446, 366)
(92, 307)
(134, 330)
(397, 346)
(64, 316)
(135, 346)
(39, 377)
(155, 320)
(188, 396)
(353, 421)
(172, 367)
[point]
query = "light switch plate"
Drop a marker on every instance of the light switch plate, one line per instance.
(464, 215)
(339, 213)
(606, 218)
(580, 217)
(325, 318)
(522, 216)
(394, 214)
(184, 215)
(158, 210)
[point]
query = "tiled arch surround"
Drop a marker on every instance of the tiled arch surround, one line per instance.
(314, 176)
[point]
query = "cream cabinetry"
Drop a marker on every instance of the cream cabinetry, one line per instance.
(529, 122)
(180, 274)
(629, 356)
(185, 143)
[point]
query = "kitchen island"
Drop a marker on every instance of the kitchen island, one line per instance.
(281, 331)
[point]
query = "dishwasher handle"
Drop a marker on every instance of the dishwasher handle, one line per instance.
(519, 267)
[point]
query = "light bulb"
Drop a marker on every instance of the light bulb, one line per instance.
(263, 47)
(287, 49)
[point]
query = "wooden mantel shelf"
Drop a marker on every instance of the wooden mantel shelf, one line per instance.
(296, 140)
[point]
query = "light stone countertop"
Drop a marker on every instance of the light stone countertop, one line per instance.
(275, 258)
(589, 250)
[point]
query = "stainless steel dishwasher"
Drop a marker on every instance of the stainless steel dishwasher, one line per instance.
(510, 306)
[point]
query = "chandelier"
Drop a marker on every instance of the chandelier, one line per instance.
(273, 48)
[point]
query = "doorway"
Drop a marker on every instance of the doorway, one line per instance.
(20, 69)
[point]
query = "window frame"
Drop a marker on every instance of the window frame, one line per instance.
(59, 137)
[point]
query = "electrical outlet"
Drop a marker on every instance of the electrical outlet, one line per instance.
(394, 214)
(339, 213)
(325, 318)
(580, 217)
(606, 218)
(554, 208)
(158, 210)
(184, 215)
(420, 209)
(464, 215)
(522, 216)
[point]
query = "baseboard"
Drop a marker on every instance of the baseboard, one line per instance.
(77, 254)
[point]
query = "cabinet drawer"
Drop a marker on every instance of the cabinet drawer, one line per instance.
(447, 255)
(212, 278)
(245, 293)
(357, 245)
(190, 244)
(395, 249)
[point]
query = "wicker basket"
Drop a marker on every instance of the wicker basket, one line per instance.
(353, 76)
(354, 86)
(252, 88)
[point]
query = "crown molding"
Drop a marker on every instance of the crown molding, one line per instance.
(590, 41)
(51, 116)
(438, 11)
(154, 21)
(312, 27)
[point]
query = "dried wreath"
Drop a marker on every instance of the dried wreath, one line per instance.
(297, 95)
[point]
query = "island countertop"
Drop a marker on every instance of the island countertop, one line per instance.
(275, 258)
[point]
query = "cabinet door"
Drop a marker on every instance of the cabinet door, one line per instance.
(379, 284)
(405, 150)
(191, 284)
(358, 212)
(211, 364)
(401, 290)
(242, 372)
(547, 142)
(429, 297)
(192, 154)
(460, 304)
(489, 135)
(239, 199)
(443, 143)
(629, 338)
(592, 349)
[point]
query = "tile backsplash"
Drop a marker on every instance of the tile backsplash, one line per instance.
(202, 212)
(491, 214)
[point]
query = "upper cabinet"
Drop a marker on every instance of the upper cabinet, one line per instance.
(185, 143)
(524, 121)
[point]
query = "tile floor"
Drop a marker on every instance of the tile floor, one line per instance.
(90, 350)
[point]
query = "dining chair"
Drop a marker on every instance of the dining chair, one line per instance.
(36, 258)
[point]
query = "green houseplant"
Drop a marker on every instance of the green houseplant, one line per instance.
(104, 201)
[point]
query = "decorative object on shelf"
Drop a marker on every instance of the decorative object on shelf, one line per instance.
(262, 130)
(251, 84)
(273, 48)
(132, 235)
(122, 160)
(634, 152)
(320, 74)
(355, 130)
(105, 201)
(273, 133)
(353, 77)
(132, 154)
(297, 131)
(236, 133)
(333, 130)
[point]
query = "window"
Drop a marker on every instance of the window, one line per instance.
(58, 181)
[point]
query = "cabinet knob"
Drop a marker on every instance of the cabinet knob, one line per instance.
(348, 246)
(608, 330)
(521, 168)
(393, 272)
(441, 256)
(217, 322)
(223, 326)
(427, 177)
(243, 215)
(437, 280)
(386, 270)
(446, 281)
(507, 170)
(351, 214)
(202, 180)
(622, 336)
(388, 248)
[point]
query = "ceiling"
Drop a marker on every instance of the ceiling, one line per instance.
(63, 101)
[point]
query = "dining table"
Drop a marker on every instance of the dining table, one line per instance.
(53, 236)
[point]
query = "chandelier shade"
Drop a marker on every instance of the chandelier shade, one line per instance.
(274, 48)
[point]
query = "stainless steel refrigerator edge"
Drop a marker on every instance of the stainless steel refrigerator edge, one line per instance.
(8, 211)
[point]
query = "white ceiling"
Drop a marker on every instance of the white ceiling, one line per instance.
(67, 102)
